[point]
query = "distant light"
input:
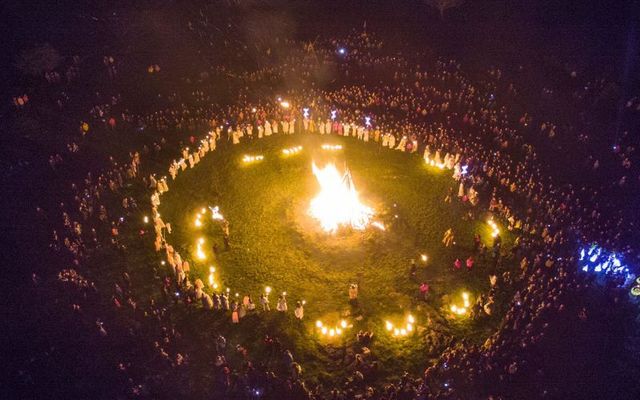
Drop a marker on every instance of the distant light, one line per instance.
(342, 51)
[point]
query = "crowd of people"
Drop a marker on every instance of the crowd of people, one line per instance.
(378, 96)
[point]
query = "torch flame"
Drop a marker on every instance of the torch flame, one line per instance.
(337, 203)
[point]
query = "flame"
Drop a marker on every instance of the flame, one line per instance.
(337, 203)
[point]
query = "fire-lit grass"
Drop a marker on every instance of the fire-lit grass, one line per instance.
(275, 242)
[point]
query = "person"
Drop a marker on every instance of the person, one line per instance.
(224, 299)
(469, 263)
(424, 290)
(225, 234)
(264, 301)
(447, 239)
(299, 311)
(282, 303)
(353, 293)
(449, 196)
(235, 317)
(221, 344)
(413, 271)
(249, 303)
(476, 243)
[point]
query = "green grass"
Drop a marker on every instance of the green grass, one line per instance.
(274, 243)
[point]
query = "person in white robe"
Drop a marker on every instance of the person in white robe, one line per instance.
(345, 129)
(436, 158)
(392, 141)
(327, 127)
(414, 146)
(235, 137)
(461, 190)
(403, 144)
(285, 127)
(360, 132)
(366, 135)
(321, 124)
(267, 128)
(426, 154)
(451, 162)
(385, 139)
(457, 172)
(292, 126)
(275, 127)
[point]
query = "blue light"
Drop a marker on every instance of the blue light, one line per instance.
(305, 112)
(367, 121)
(333, 115)
(463, 169)
(342, 51)
(604, 264)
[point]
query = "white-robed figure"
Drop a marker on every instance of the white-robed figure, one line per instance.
(275, 127)
(353, 129)
(426, 154)
(385, 139)
(360, 132)
(366, 135)
(392, 141)
(403, 144)
(292, 126)
(461, 189)
(321, 127)
(299, 311)
(248, 131)
(473, 196)
(285, 127)
(235, 137)
(260, 131)
(212, 143)
(414, 146)
(457, 172)
(305, 124)
(451, 162)
(282, 303)
(155, 199)
(345, 129)
(436, 158)
(327, 127)
(267, 128)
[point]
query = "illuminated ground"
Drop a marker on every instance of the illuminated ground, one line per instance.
(274, 243)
